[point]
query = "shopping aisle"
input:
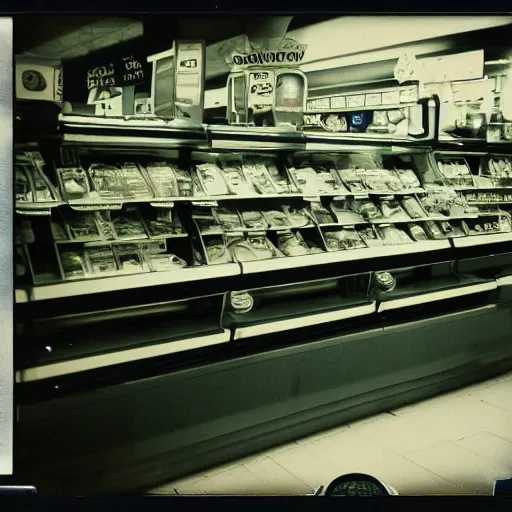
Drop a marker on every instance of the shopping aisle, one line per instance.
(457, 443)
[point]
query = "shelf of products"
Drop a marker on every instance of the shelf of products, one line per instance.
(154, 217)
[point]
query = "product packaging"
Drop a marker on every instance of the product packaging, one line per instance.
(254, 220)
(236, 180)
(101, 261)
(276, 219)
(163, 180)
(321, 214)
(165, 224)
(131, 259)
(292, 244)
(82, 226)
(352, 180)
(206, 221)
(417, 233)
(456, 172)
(391, 235)
(297, 217)
(159, 260)
(257, 173)
(369, 236)
(74, 265)
(434, 231)
(216, 251)
(255, 247)
(31, 183)
(108, 181)
(346, 212)
(212, 180)
(74, 183)
(413, 208)
(127, 224)
(344, 239)
(229, 219)
(392, 210)
(136, 185)
(408, 178)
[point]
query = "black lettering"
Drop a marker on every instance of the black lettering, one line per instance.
(237, 60)
(280, 56)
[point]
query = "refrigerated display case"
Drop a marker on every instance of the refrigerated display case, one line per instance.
(208, 292)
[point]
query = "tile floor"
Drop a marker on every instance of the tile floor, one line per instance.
(454, 444)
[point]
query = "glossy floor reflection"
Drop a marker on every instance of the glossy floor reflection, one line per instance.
(454, 444)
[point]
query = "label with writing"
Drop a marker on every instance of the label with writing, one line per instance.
(312, 199)
(34, 211)
(96, 207)
(205, 203)
(118, 73)
(162, 204)
(355, 101)
(373, 99)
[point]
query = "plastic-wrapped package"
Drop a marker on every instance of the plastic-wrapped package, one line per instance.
(229, 219)
(82, 226)
(258, 174)
(321, 214)
(391, 235)
(455, 171)
(413, 208)
(186, 185)
(22, 185)
(163, 179)
(343, 239)
(255, 248)
(297, 217)
(206, 221)
(108, 181)
(276, 218)
(254, 220)
(290, 245)
(136, 185)
(131, 259)
(74, 183)
(74, 265)
(101, 261)
(417, 233)
(381, 180)
(445, 203)
(346, 213)
(165, 224)
(352, 180)
(212, 180)
(159, 260)
(392, 210)
(434, 231)
(128, 224)
(216, 251)
(408, 178)
(369, 236)
(236, 180)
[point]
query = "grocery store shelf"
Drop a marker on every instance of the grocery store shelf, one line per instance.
(425, 298)
(124, 356)
(110, 284)
(121, 132)
(253, 267)
(20, 296)
(303, 321)
(470, 241)
(504, 281)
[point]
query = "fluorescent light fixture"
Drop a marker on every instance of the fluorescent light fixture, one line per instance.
(351, 35)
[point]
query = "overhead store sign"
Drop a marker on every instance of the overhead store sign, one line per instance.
(278, 53)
